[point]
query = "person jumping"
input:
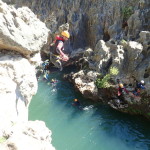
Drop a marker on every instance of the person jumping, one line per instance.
(57, 56)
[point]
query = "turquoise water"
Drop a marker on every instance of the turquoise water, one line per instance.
(92, 127)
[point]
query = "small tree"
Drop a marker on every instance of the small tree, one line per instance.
(104, 82)
(127, 12)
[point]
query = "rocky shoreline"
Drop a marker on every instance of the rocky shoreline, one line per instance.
(96, 63)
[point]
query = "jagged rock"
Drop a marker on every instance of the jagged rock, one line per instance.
(145, 40)
(144, 36)
(88, 52)
(63, 27)
(139, 20)
(134, 55)
(127, 58)
(77, 53)
(134, 25)
(115, 30)
(18, 85)
(22, 36)
(100, 57)
(91, 20)
(21, 31)
(84, 82)
(117, 56)
(27, 136)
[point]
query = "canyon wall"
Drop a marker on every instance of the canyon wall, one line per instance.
(108, 33)
(22, 35)
(91, 20)
(113, 21)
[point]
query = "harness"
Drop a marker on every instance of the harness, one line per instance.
(53, 48)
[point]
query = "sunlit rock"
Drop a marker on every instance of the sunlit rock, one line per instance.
(27, 136)
(22, 36)
(20, 30)
(18, 85)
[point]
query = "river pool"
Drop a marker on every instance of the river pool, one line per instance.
(89, 127)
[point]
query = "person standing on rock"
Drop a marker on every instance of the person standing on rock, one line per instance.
(139, 86)
(57, 56)
(121, 91)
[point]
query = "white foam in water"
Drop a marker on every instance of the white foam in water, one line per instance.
(54, 90)
(88, 107)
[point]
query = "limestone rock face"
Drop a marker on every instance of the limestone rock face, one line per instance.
(91, 20)
(128, 57)
(32, 135)
(18, 84)
(20, 30)
(84, 82)
(100, 57)
(132, 63)
(139, 20)
(22, 36)
(117, 33)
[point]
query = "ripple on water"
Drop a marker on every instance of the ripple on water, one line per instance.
(91, 127)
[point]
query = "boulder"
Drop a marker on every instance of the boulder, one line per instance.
(21, 30)
(27, 136)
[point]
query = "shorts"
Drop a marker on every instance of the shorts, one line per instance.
(55, 59)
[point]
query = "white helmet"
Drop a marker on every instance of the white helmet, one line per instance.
(142, 81)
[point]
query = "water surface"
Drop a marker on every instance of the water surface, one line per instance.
(92, 127)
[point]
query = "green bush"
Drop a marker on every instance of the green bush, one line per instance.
(113, 71)
(127, 12)
(104, 81)
(2, 139)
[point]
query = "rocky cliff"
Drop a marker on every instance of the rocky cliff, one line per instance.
(22, 36)
(92, 20)
(115, 22)
(117, 33)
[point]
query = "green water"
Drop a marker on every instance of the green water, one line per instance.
(92, 127)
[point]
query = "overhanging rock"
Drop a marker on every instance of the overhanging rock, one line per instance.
(21, 30)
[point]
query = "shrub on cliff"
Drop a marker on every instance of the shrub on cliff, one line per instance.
(104, 82)
(127, 12)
